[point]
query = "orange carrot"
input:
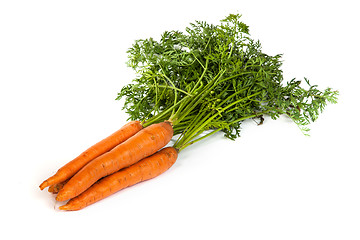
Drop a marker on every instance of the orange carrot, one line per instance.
(143, 144)
(96, 150)
(56, 187)
(145, 169)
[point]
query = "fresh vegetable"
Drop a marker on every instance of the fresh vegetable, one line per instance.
(56, 187)
(242, 81)
(143, 170)
(67, 171)
(207, 79)
(143, 144)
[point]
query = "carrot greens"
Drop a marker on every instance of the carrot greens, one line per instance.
(213, 77)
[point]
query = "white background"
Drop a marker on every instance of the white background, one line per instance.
(61, 66)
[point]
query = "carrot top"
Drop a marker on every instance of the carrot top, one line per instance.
(213, 77)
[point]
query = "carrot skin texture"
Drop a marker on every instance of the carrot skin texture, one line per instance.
(143, 144)
(143, 170)
(105, 145)
(56, 187)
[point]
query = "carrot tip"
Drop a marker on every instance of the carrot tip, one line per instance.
(62, 196)
(58, 198)
(69, 207)
(65, 207)
(43, 185)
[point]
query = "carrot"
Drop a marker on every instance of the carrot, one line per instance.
(96, 150)
(145, 169)
(143, 144)
(56, 187)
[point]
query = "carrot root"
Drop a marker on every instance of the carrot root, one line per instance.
(105, 145)
(143, 170)
(143, 144)
(56, 187)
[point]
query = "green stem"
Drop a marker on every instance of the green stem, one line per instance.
(194, 120)
(201, 125)
(197, 100)
(196, 140)
(156, 118)
(233, 76)
(249, 116)
(202, 75)
(174, 88)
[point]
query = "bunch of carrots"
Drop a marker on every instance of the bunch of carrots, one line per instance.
(130, 155)
(191, 86)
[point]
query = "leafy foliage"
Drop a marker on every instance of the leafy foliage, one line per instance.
(212, 77)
